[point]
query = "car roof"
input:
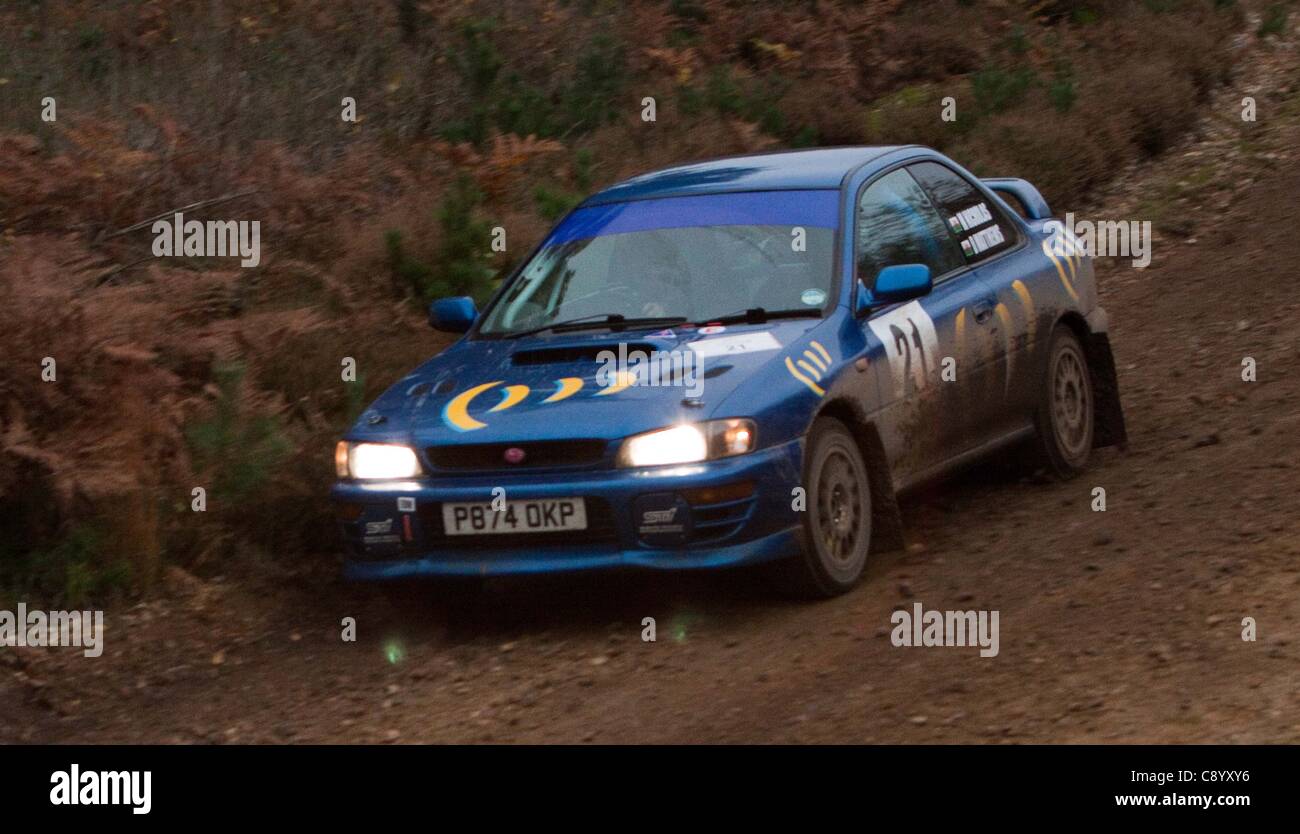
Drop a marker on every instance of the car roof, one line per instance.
(781, 170)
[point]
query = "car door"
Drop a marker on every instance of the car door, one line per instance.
(991, 244)
(933, 379)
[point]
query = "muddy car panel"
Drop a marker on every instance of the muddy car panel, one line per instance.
(929, 383)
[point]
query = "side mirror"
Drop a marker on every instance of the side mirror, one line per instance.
(453, 315)
(901, 282)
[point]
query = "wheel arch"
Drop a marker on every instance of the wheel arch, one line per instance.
(886, 519)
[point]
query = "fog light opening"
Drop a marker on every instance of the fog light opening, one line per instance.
(719, 494)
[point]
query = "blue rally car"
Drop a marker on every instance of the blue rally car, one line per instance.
(834, 326)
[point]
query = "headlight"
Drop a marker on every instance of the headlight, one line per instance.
(688, 443)
(375, 461)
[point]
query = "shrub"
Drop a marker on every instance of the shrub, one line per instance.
(1274, 20)
(408, 273)
(240, 449)
(996, 90)
(464, 253)
(68, 573)
(461, 262)
(912, 115)
(506, 102)
(553, 204)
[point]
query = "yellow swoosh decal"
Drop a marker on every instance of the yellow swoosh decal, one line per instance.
(456, 412)
(1004, 316)
(510, 395)
(817, 346)
(1028, 301)
(961, 331)
(1047, 250)
(805, 380)
(564, 388)
(623, 380)
(816, 360)
(812, 372)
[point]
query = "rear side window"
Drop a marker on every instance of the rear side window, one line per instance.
(979, 224)
(896, 224)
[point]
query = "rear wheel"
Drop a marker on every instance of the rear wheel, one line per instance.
(1065, 408)
(836, 534)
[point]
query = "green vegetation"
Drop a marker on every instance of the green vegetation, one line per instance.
(68, 573)
(242, 450)
(997, 90)
(504, 101)
(462, 261)
(1274, 22)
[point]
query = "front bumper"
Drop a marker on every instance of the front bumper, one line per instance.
(394, 529)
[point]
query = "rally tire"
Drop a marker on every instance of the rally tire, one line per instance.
(1065, 418)
(835, 534)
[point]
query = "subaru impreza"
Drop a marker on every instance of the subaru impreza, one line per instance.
(833, 327)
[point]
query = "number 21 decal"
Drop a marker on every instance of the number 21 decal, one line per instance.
(911, 345)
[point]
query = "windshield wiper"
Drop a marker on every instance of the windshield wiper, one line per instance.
(758, 315)
(611, 320)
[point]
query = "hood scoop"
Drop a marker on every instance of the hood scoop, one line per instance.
(572, 354)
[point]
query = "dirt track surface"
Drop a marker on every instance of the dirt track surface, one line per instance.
(1123, 625)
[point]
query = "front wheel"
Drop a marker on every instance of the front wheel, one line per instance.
(836, 534)
(1065, 407)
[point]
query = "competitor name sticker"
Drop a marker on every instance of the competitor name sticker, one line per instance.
(731, 345)
(982, 240)
(971, 218)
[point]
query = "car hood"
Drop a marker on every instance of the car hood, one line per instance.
(552, 386)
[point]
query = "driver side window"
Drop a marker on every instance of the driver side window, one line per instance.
(896, 223)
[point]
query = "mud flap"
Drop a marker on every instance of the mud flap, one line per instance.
(1109, 427)
(886, 518)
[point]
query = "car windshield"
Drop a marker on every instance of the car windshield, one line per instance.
(685, 258)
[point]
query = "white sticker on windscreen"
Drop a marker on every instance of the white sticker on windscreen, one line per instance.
(813, 297)
(731, 345)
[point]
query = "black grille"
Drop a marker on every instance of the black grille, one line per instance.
(537, 454)
(601, 531)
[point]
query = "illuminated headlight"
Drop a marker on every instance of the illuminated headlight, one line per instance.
(688, 443)
(375, 461)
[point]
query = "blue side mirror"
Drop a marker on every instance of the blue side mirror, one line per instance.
(902, 282)
(453, 315)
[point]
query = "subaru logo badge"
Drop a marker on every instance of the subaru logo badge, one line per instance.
(514, 455)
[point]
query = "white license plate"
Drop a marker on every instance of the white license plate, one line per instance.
(542, 515)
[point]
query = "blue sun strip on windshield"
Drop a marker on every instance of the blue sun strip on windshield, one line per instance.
(818, 208)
